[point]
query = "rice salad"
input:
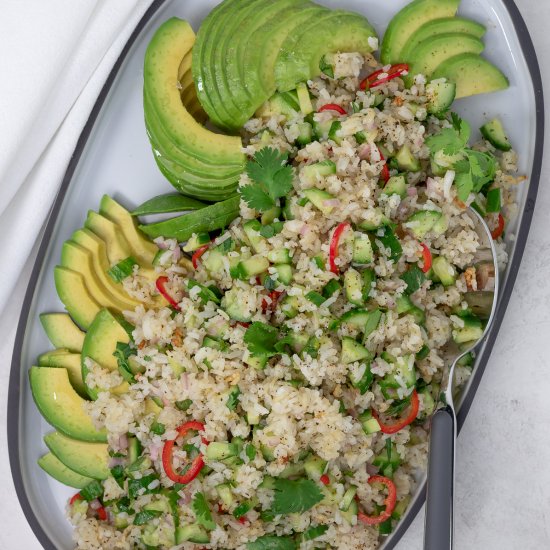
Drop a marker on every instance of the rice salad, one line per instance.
(283, 400)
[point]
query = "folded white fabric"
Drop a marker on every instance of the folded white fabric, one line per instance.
(53, 68)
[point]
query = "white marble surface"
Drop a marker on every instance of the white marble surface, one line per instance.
(503, 473)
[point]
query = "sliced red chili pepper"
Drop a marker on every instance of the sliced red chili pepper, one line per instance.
(400, 424)
(197, 255)
(196, 464)
(102, 513)
(161, 287)
(332, 107)
(242, 520)
(372, 81)
(324, 479)
(385, 173)
(243, 324)
(74, 498)
(499, 229)
(427, 257)
(334, 242)
(389, 502)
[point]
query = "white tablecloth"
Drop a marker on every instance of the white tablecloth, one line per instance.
(503, 489)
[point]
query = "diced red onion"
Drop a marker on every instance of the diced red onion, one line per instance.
(431, 186)
(412, 191)
(305, 229)
(331, 202)
(123, 442)
(95, 504)
(185, 380)
(372, 470)
(176, 254)
(364, 151)
(115, 461)
(161, 243)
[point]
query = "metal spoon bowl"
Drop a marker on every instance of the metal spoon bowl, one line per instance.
(439, 519)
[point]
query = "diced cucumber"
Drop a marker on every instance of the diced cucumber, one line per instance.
(362, 250)
(134, 449)
(252, 230)
(353, 351)
(220, 450)
(304, 98)
(361, 378)
(376, 219)
(331, 288)
(441, 225)
(269, 216)
(406, 160)
(428, 401)
(315, 467)
(315, 298)
(209, 342)
(318, 198)
(192, 533)
(225, 493)
(401, 507)
(360, 137)
(369, 424)
(493, 132)
(441, 95)
(279, 256)
(404, 367)
(420, 223)
(320, 129)
(472, 330)
(294, 469)
(196, 241)
(353, 287)
(257, 362)
(213, 261)
(335, 127)
(283, 105)
(267, 453)
(388, 460)
(347, 499)
(160, 505)
(297, 340)
(418, 314)
(397, 185)
(233, 306)
(313, 172)
(253, 266)
(369, 277)
(350, 514)
(312, 347)
(444, 271)
(403, 304)
(305, 134)
(268, 482)
(284, 273)
(289, 306)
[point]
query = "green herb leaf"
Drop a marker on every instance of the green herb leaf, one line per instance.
(272, 542)
(268, 231)
(389, 241)
(123, 269)
(122, 353)
(93, 490)
(158, 428)
(250, 451)
(272, 179)
(202, 512)
(450, 140)
(184, 405)
(261, 339)
(313, 532)
(146, 516)
(295, 496)
(326, 67)
(233, 398)
(206, 294)
(414, 277)
(242, 509)
(140, 486)
(118, 474)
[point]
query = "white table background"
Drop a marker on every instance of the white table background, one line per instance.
(503, 457)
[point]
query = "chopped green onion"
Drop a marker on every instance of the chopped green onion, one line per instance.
(184, 405)
(158, 428)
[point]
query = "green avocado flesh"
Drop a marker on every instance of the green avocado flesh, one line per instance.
(440, 26)
(408, 21)
(198, 162)
(472, 74)
(61, 331)
(64, 359)
(84, 458)
(60, 405)
(100, 343)
(247, 50)
(55, 468)
(431, 53)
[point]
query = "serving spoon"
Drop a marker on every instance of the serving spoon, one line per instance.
(439, 519)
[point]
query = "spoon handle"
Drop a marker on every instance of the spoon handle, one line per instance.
(438, 529)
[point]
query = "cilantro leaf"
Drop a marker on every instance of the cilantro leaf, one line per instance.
(473, 172)
(450, 140)
(122, 353)
(414, 277)
(272, 542)
(268, 231)
(202, 512)
(233, 398)
(271, 176)
(295, 496)
(261, 339)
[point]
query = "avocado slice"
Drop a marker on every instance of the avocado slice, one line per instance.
(117, 247)
(167, 48)
(234, 74)
(100, 263)
(472, 75)
(100, 344)
(60, 358)
(434, 51)
(78, 259)
(436, 27)
(76, 297)
(338, 30)
(61, 406)
(142, 247)
(261, 49)
(62, 332)
(84, 458)
(407, 21)
(56, 469)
